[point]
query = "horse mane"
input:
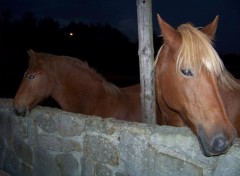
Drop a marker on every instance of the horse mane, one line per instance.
(72, 64)
(196, 51)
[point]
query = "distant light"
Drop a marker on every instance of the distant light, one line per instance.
(71, 33)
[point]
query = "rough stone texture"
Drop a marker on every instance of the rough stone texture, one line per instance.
(52, 142)
(100, 149)
(67, 164)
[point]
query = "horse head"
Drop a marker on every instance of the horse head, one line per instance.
(188, 75)
(35, 86)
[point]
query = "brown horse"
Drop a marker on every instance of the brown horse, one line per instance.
(76, 88)
(189, 77)
(231, 100)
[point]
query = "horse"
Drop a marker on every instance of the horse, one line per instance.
(190, 84)
(231, 100)
(76, 88)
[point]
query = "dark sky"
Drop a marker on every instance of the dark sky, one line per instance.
(122, 15)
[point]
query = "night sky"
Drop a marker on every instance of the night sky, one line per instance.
(122, 15)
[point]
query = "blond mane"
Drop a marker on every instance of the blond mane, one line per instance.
(196, 51)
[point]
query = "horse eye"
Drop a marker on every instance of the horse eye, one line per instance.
(31, 76)
(187, 72)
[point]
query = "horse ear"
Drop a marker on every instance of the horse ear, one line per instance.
(32, 56)
(170, 35)
(211, 29)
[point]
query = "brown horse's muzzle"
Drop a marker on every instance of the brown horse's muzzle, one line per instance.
(20, 110)
(216, 145)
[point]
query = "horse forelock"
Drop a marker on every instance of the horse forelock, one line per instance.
(196, 52)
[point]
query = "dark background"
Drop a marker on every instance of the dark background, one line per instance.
(104, 34)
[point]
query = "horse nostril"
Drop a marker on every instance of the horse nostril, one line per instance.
(16, 111)
(19, 112)
(220, 144)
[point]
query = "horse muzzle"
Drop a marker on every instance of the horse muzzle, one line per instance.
(20, 111)
(218, 144)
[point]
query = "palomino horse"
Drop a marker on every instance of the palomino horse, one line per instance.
(76, 88)
(189, 76)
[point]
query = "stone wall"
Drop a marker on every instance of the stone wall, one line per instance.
(51, 142)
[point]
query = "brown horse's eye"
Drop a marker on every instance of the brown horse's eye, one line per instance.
(187, 72)
(31, 76)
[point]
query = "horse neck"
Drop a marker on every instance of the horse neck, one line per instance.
(77, 88)
(231, 102)
(75, 85)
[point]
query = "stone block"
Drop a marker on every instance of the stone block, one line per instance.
(26, 170)
(67, 164)
(140, 158)
(70, 125)
(12, 164)
(22, 150)
(103, 170)
(56, 143)
(46, 122)
(87, 167)
(229, 164)
(100, 149)
(45, 164)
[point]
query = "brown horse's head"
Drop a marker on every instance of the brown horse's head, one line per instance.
(188, 75)
(35, 86)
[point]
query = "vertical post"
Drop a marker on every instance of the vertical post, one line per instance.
(146, 60)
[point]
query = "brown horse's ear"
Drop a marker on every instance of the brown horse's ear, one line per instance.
(32, 56)
(211, 29)
(170, 35)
